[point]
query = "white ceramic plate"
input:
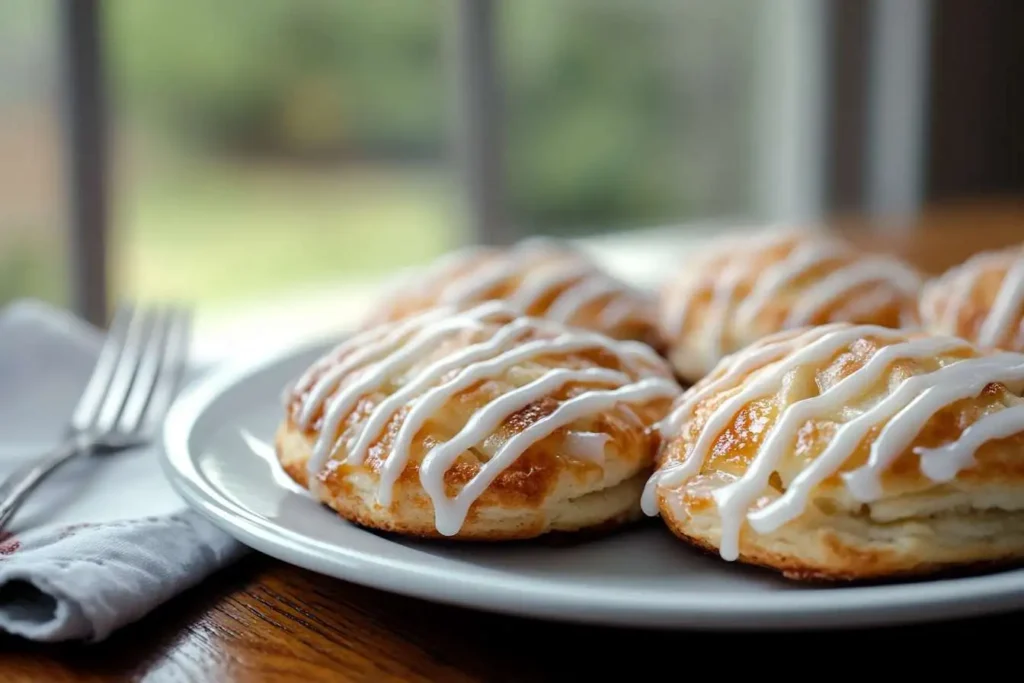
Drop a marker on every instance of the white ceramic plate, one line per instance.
(218, 456)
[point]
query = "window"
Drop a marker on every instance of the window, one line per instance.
(279, 170)
(626, 115)
(280, 166)
(275, 173)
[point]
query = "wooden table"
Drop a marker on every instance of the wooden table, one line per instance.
(264, 620)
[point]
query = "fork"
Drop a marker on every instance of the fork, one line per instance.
(132, 385)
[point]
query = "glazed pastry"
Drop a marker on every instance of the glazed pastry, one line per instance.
(982, 300)
(743, 288)
(849, 451)
(539, 277)
(478, 424)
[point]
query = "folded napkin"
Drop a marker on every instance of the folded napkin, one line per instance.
(104, 539)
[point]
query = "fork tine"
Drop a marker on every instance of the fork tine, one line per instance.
(151, 356)
(172, 368)
(99, 382)
(125, 372)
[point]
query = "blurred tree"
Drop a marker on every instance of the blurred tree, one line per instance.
(627, 114)
(317, 77)
(617, 113)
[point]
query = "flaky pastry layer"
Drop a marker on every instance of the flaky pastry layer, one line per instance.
(510, 512)
(849, 451)
(981, 299)
(538, 277)
(742, 288)
(477, 423)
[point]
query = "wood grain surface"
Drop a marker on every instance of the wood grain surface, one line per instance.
(265, 621)
(262, 620)
(943, 235)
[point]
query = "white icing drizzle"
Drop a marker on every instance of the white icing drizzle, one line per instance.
(306, 379)
(799, 261)
(723, 285)
(960, 281)
(865, 304)
(812, 253)
(901, 414)
(451, 513)
(587, 446)
(836, 284)
(370, 349)
(540, 283)
(375, 359)
(620, 309)
(677, 307)
(918, 399)
(442, 269)
(722, 295)
(738, 365)
(945, 462)
(966, 281)
(1006, 307)
(541, 266)
(465, 289)
(570, 301)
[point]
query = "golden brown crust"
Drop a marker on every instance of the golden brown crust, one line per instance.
(512, 511)
(740, 289)
(964, 300)
(831, 558)
(834, 524)
(538, 276)
(582, 465)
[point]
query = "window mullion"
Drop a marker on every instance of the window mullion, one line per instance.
(85, 162)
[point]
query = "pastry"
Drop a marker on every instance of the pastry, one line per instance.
(477, 423)
(538, 276)
(848, 452)
(741, 289)
(981, 299)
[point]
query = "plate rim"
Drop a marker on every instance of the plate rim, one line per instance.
(833, 607)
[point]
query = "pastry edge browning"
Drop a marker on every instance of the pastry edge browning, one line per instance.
(965, 299)
(574, 276)
(845, 547)
(959, 514)
(411, 512)
(717, 321)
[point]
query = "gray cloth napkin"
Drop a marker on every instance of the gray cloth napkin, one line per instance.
(105, 539)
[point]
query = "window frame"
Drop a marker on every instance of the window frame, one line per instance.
(799, 177)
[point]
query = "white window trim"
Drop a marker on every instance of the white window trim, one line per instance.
(897, 117)
(790, 135)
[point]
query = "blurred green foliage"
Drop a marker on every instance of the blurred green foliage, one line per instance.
(283, 76)
(31, 269)
(603, 100)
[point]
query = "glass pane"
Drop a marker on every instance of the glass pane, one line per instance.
(287, 160)
(623, 115)
(32, 257)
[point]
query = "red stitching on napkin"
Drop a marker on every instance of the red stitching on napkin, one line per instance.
(8, 544)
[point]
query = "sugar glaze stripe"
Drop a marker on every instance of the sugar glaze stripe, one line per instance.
(729, 301)
(901, 415)
(359, 368)
(962, 280)
(541, 266)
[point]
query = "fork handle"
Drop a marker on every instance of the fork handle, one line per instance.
(17, 487)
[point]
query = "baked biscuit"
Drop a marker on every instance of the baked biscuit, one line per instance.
(981, 299)
(478, 423)
(538, 276)
(848, 452)
(740, 289)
